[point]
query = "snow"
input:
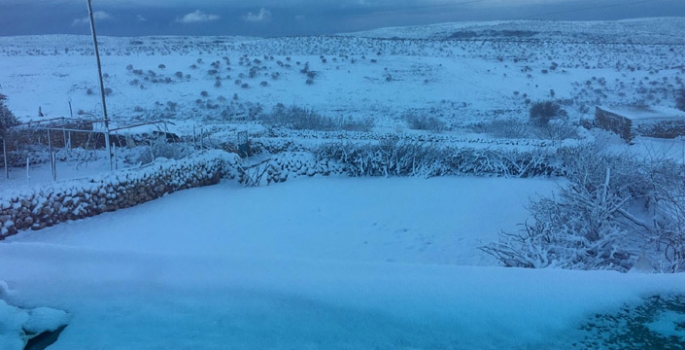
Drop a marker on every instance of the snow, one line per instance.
(11, 320)
(666, 324)
(326, 263)
(322, 263)
(649, 114)
(439, 220)
(17, 325)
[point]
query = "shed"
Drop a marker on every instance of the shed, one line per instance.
(630, 121)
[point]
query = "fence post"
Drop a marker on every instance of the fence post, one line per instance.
(52, 157)
(114, 156)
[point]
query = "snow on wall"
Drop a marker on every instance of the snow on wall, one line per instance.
(45, 206)
(659, 122)
(41, 207)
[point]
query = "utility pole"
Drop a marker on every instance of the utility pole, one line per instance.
(102, 85)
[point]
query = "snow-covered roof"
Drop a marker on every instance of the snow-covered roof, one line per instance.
(646, 114)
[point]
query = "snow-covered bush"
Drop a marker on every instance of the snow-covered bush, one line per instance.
(161, 148)
(298, 118)
(542, 112)
(680, 99)
(418, 121)
(7, 118)
(392, 157)
(613, 209)
(557, 130)
(664, 188)
(355, 124)
(509, 128)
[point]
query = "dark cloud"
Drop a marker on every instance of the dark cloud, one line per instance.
(300, 17)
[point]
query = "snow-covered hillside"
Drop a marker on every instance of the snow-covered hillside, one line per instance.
(461, 74)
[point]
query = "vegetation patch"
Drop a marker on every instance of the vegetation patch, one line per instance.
(656, 323)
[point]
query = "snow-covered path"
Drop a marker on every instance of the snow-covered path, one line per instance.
(310, 264)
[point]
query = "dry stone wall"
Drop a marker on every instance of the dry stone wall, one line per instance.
(45, 206)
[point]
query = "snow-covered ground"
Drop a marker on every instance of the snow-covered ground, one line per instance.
(461, 73)
(312, 264)
(331, 263)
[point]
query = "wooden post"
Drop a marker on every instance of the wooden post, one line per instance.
(52, 158)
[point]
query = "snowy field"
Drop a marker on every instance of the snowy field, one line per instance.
(335, 263)
(312, 264)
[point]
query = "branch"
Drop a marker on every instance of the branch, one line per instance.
(634, 220)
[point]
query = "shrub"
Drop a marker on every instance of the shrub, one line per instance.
(680, 100)
(510, 128)
(393, 157)
(558, 130)
(7, 118)
(298, 118)
(362, 125)
(422, 122)
(612, 208)
(542, 112)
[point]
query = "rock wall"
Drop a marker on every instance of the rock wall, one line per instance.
(45, 206)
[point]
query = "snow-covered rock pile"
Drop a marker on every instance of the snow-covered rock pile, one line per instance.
(40, 207)
(18, 326)
(296, 164)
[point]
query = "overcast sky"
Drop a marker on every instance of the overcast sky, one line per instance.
(297, 17)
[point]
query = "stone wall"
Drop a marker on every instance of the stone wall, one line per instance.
(45, 206)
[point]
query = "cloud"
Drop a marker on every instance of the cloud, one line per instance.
(300, 18)
(262, 16)
(97, 15)
(197, 17)
(140, 18)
